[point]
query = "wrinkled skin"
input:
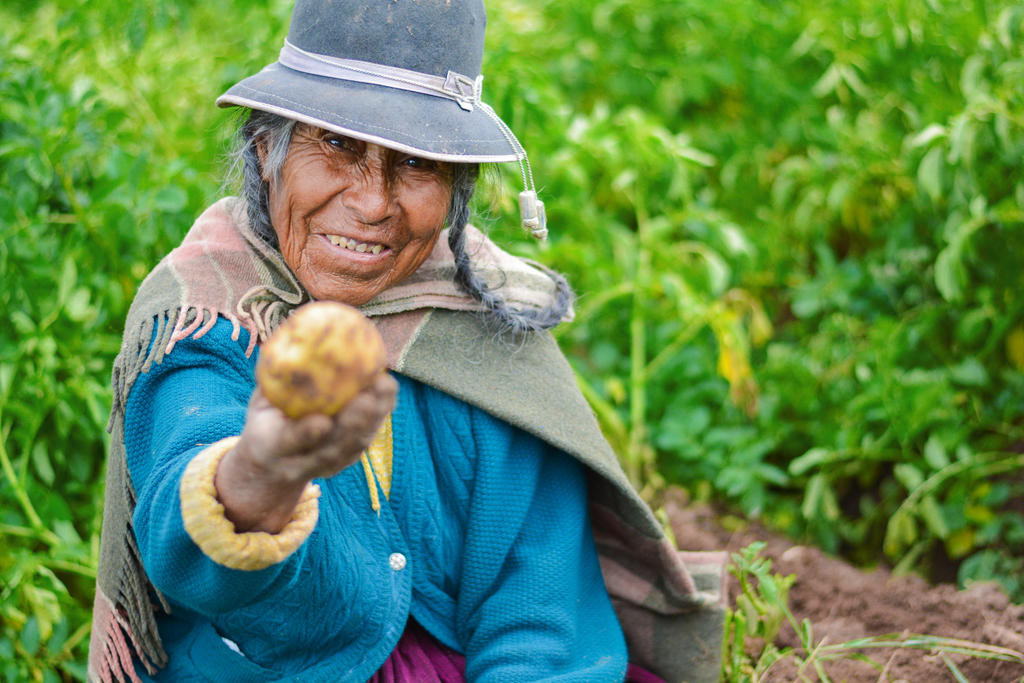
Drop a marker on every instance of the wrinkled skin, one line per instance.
(332, 186)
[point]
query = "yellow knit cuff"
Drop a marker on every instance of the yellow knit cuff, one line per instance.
(214, 533)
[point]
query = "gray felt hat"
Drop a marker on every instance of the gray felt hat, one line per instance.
(404, 74)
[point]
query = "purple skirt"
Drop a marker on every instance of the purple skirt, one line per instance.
(419, 658)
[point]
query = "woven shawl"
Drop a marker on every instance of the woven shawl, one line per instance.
(670, 604)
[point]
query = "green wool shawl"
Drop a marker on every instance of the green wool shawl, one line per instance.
(670, 604)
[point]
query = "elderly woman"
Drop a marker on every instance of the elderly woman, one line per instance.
(489, 533)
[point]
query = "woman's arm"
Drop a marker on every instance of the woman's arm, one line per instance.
(176, 416)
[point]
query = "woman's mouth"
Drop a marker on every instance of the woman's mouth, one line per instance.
(353, 245)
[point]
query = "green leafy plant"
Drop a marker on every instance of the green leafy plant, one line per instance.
(850, 326)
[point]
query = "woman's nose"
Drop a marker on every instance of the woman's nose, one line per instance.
(370, 194)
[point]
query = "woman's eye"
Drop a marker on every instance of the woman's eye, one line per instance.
(420, 163)
(340, 142)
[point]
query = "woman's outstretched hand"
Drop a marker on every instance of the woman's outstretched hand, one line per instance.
(259, 482)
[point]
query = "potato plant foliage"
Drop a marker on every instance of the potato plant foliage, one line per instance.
(796, 230)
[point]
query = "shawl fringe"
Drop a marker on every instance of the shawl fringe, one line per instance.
(114, 643)
(110, 658)
(173, 325)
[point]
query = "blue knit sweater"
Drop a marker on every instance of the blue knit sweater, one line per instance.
(493, 524)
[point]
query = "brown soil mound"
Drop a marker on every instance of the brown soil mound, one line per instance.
(844, 603)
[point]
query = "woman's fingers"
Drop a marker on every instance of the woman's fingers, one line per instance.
(358, 421)
(317, 445)
(275, 434)
(368, 408)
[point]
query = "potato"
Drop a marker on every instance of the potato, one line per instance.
(319, 358)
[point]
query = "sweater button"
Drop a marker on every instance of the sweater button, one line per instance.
(397, 561)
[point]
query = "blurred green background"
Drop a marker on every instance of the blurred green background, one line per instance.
(796, 228)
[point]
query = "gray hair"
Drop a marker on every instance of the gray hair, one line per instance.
(275, 133)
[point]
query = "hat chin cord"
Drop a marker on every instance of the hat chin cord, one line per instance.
(465, 91)
(531, 208)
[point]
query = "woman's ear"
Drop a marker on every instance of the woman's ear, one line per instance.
(261, 153)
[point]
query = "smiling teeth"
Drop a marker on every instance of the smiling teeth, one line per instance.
(361, 247)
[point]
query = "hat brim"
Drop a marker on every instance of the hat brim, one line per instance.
(415, 123)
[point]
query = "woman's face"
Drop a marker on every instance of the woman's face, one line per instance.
(354, 218)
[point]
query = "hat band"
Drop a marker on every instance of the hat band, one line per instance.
(455, 86)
